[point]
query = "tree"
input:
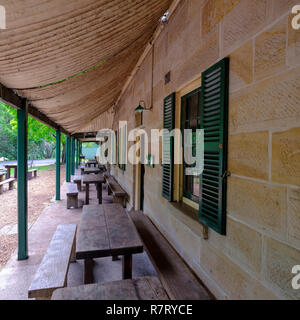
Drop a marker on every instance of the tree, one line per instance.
(41, 138)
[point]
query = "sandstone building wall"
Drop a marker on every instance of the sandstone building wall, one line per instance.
(254, 260)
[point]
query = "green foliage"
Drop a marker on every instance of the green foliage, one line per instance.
(41, 138)
(8, 135)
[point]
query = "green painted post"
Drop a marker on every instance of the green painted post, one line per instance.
(80, 153)
(67, 161)
(57, 164)
(68, 178)
(77, 154)
(73, 156)
(22, 116)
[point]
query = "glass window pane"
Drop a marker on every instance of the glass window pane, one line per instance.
(193, 104)
(196, 186)
(191, 120)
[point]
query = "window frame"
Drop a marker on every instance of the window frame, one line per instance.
(186, 194)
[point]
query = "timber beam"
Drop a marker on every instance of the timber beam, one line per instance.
(8, 96)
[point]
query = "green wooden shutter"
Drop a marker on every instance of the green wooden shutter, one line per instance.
(168, 150)
(214, 121)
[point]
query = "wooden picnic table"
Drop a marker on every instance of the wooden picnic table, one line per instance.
(9, 167)
(91, 163)
(106, 230)
(91, 170)
(96, 179)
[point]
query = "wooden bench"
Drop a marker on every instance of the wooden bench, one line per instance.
(10, 183)
(113, 187)
(177, 278)
(72, 196)
(53, 270)
(77, 180)
(31, 174)
(146, 288)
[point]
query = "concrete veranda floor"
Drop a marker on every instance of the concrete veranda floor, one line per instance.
(16, 276)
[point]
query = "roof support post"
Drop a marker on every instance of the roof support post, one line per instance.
(77, 153)
(58, 164)
(73, 157)
(22, 116)
(68, 156)
(80, 152)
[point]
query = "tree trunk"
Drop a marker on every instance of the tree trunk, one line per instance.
(64, 151)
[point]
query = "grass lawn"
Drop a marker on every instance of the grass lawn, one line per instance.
(43, 168)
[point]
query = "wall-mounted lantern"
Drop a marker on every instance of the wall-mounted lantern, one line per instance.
(142, 107)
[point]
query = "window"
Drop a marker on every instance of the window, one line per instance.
(190, 119)
(204, 108)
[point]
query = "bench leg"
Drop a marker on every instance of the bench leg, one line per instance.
(79, 185)
(1, 189)
(11, 185)
(87, 193)
(120, 200)
(99, 191)
(88, 271)
(73, 254)
(108, 190)
(72, 201)
(35, 174)
(127, 266)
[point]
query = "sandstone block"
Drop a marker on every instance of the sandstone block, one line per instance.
(272, 103)
(241, 66)
(248, 154)
(246, 19)
(270, 51)
(242, 243)
(294, 217)
(214, 11)
(260, 204)
(280, 259)
(286, 157)
(231, 278)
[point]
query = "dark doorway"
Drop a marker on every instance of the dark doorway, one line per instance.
(142, 187)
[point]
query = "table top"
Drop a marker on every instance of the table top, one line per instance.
(106, 230)
(91, 170)
(11, 166)
(93, 178)
(92, 161)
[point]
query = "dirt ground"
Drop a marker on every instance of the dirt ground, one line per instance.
(40, 191)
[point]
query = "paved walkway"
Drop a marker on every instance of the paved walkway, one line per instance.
(16, 276)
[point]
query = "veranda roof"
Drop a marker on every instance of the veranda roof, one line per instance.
(94, 44)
